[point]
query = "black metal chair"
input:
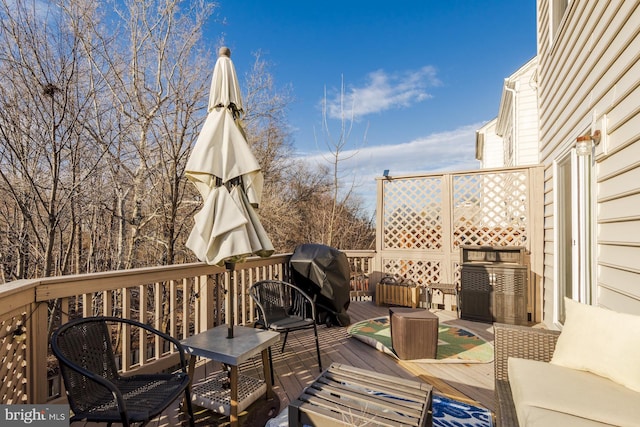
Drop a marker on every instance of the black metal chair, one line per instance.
(95, 389)
(283, 307)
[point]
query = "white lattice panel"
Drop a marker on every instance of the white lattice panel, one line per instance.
(413, 214)
(421, 272)
(13, 355)
(490, 209)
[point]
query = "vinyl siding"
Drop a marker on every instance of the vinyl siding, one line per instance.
(492, 153)
(523, 149)
(527, 150)
(591, 70)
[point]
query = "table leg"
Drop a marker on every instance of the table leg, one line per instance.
(191, 371)
(266, 369)
(233, 412)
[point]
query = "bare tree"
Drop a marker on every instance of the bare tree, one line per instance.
(301, 203)
(41, 126)
(157, 79)
(341, 203)
(175, 136)
(82, 109)
(267, 131)
(265, 119)
(98, 114)
(162, 42)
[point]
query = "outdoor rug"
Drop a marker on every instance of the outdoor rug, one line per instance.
(445, 413)
(455, 344)
(452, 413)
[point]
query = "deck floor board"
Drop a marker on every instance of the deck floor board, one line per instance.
(470, 382)
(297, 366)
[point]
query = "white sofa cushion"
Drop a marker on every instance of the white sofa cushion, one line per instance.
(598, 340)
(546, 418)
(539, 388)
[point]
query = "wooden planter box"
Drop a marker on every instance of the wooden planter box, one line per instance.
(407, 295)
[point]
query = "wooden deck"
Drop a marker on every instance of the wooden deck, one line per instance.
(297, 367)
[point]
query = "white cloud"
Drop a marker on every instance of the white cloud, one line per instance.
(383, 92)
(439, 152)
(40, 8)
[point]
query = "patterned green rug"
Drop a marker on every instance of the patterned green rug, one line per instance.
(455, 344)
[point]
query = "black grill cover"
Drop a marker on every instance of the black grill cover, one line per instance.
(324, 272)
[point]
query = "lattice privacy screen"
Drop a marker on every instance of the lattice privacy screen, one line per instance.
(13, 361)
(413, 213)
(425, 220)
(486, 209)
(490, 209)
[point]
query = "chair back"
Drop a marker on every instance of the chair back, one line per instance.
(85, 343)
(279, 300)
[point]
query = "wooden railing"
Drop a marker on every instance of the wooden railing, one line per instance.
(179, 299)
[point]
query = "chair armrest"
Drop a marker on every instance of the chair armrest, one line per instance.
(287, 298)
(506, 415)
(303, 302)
(179, 347)
(523, 342)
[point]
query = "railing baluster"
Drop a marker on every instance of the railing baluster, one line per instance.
(236, 297)
(196, 304)
(87, 305)
(173, 306)
(125, 339)
(186, 313)
(142, 342)
(157, 300)
(252, 309)
(107, 303)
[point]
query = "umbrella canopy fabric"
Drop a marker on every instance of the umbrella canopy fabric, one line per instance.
(228, 176)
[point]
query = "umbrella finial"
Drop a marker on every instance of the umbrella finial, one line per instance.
(224, 51)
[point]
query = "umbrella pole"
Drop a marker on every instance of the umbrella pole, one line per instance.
(230, 266)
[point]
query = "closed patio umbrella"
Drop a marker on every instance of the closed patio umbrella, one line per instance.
(228, 176)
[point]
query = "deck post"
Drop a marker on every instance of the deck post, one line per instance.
(37, 344)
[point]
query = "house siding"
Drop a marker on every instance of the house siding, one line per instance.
(492, 150)
(527, 151)
(590, 73)
(520, 138)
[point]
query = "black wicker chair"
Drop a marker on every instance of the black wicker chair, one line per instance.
(95, 389)
(283, 307)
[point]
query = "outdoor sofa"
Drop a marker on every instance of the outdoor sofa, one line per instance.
(588, 375)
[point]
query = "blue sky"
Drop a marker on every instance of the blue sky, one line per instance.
(420, 76)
